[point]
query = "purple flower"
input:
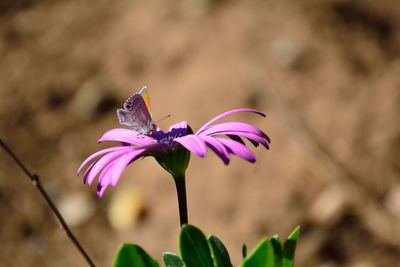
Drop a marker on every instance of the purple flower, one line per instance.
(172, 149)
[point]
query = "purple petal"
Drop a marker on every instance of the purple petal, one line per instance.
(236, 138)
(226, 114)
(98, 153)
(158, 134)
(105, 160)
(254, 143)
(156, 147)
(229, 127)
(112, 172)
(104, 177)
(122, 163)
(101, 189)
(218, 148)
(158, 129)
(127, 136)
(238, 149)
(88, 171)
(178, 128)
(252, 137)
(193, 143)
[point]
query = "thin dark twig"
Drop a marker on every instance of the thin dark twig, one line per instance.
(35, 181)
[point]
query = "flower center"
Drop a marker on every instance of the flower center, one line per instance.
(168, 139)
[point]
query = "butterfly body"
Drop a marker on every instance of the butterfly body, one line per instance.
(136, 113)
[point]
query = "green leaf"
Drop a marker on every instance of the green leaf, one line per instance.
(262, 256)
(244, 251)
(193, 247)
(131, 255)
(172, 260)
(219, 253)
(276, 245)
(289, 248)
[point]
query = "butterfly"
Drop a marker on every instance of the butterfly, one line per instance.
(137, 114)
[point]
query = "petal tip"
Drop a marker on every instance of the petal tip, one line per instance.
(100, 190)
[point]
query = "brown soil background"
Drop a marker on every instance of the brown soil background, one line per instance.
(326, 73)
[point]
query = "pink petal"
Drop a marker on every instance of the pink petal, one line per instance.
(229, 127)
(88, 171)
(193, 143)
(180, 125)
(121, 164)
(226, 114)
(98, 153)
(105, 175)
(238, 149)
(250, 136)
(156, 147)
(127, 136)
(112, 172)
(105, 160)
(218, 148)
(101, 189)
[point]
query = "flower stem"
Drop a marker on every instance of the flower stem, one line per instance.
(181, 191)
(35, 181)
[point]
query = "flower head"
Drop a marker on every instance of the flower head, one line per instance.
(172, 149)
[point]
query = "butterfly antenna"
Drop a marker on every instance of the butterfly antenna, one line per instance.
(166, 117)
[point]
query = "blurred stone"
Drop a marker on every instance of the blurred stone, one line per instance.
(37, 245)
(328, 205)
(396, 66)
(49, 125)
(26, 22)
(65, 142)
(256, 97)
(363, 264)
(286, 53)
(392, 201)
(92, 98)
(328, 264)
(126, 208)
(76, 208)
(195, 8)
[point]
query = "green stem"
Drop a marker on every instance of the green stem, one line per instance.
(181, 191)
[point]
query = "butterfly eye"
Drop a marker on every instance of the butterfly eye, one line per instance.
(128, 106)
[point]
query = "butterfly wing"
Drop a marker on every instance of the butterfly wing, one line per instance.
(136, 115)
(145, 96)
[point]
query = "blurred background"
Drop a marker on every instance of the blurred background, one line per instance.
(326, 73)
